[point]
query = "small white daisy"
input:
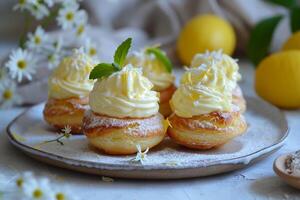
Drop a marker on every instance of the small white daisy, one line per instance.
(141, 156)
(67, 3)
(81, 17)
(90, 48)
(21, 64)
(80, 30)
(64, 194)
(67, 16)
(66, 131)
(38, 190)
(22, 5)
(53, 60)
(37, 40)
(23, 179)
(39, 10)
(49, 3)
(8, 95)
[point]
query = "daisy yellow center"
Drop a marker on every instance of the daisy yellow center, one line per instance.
(92, 51)
(51, 58)
(60, 196)
(80, 29)
(37, 193)
(37, 40)
(22, 64)
(6, 95)
(22, 2)
(70, 16)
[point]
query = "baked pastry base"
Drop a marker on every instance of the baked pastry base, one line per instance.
(122, 135)
(206, 131)
(61, 112)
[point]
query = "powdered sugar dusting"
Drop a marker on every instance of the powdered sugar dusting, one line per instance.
(136, 126)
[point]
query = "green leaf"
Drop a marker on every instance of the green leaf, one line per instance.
(161, 56)
(285, 3)
(122, 52)
(102, 70)
(295, 19)
(106, 69)
(261, 37)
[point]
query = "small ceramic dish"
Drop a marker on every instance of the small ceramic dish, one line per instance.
(280, 169)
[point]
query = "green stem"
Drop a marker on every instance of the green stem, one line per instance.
(45, 23)
(28, 23)
(55, 140)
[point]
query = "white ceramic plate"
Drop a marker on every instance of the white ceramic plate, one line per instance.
(267, 130)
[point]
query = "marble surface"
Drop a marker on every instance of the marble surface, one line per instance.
(255, 182)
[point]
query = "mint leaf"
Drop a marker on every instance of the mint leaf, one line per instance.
(102, 70)
(295, 19)
(122, 51)
(285, 3)
(106, 69)
(161, 56)
(261, 37)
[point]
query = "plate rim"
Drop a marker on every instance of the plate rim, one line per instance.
(104, 166)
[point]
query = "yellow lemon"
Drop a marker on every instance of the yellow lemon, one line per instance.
(293, 42)
(277, 79)
(205, 32)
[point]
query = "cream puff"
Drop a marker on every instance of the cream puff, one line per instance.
(68, 90)
(229, 68)
(203, 113)
(155, 69)
(124, 113)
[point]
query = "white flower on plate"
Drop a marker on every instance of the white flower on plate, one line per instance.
(69, 16)
(66, 131)
(21, 64)
(38, 190)
(38, 10)
(8, 95)
(90, 48)
(141, 156)
(37, 40)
